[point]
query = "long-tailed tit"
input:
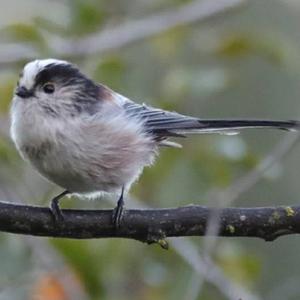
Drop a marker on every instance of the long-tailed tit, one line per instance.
(88, 139)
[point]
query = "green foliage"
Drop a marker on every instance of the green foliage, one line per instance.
(6, 155)
(239, 45)
(6, 91)
(82, 259)
(111, 71)
(85, 16)
(25, 33)
(49, 26)
(239, 264)
(168, 44)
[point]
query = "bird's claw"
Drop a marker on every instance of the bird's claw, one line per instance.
(56, 211)
(54, 207)
(118, 212)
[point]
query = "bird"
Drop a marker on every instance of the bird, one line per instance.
(89, 140)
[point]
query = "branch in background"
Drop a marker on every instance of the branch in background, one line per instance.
(133, 31)
(124, 34)
(227, 196)
(210, 271)
(151, 225)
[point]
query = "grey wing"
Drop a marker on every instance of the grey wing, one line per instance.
(161, 123)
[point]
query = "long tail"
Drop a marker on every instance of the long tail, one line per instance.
(223, 126)
(165, 124)
(229, 127)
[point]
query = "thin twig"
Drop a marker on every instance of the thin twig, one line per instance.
(227, 196)
(210, 271)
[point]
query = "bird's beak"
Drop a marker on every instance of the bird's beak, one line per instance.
(22, 92)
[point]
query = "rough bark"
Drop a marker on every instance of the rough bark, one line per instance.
(151, 225)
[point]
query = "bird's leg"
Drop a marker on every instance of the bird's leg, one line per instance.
(54, 206)
(118, 210)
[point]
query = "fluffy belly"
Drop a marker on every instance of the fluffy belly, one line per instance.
(87, 155)
(86, 170)
(83, 182)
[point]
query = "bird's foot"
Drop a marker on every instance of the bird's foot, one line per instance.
(54, 207)
(118, 211)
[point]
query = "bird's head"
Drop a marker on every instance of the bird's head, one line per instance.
(56, 86)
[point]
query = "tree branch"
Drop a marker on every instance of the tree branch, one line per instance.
(123, 34)
(151, 225)
(132, 31)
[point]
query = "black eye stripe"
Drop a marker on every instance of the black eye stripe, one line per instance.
(85, 93)
(56, 72)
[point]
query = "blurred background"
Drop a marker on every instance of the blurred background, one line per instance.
(209, 58)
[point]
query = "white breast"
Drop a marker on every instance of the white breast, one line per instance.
(83, 155)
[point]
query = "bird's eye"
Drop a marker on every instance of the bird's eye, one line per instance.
(48, 88)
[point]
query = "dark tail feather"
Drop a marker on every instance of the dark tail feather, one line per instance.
(236, 124)
(223, 126)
